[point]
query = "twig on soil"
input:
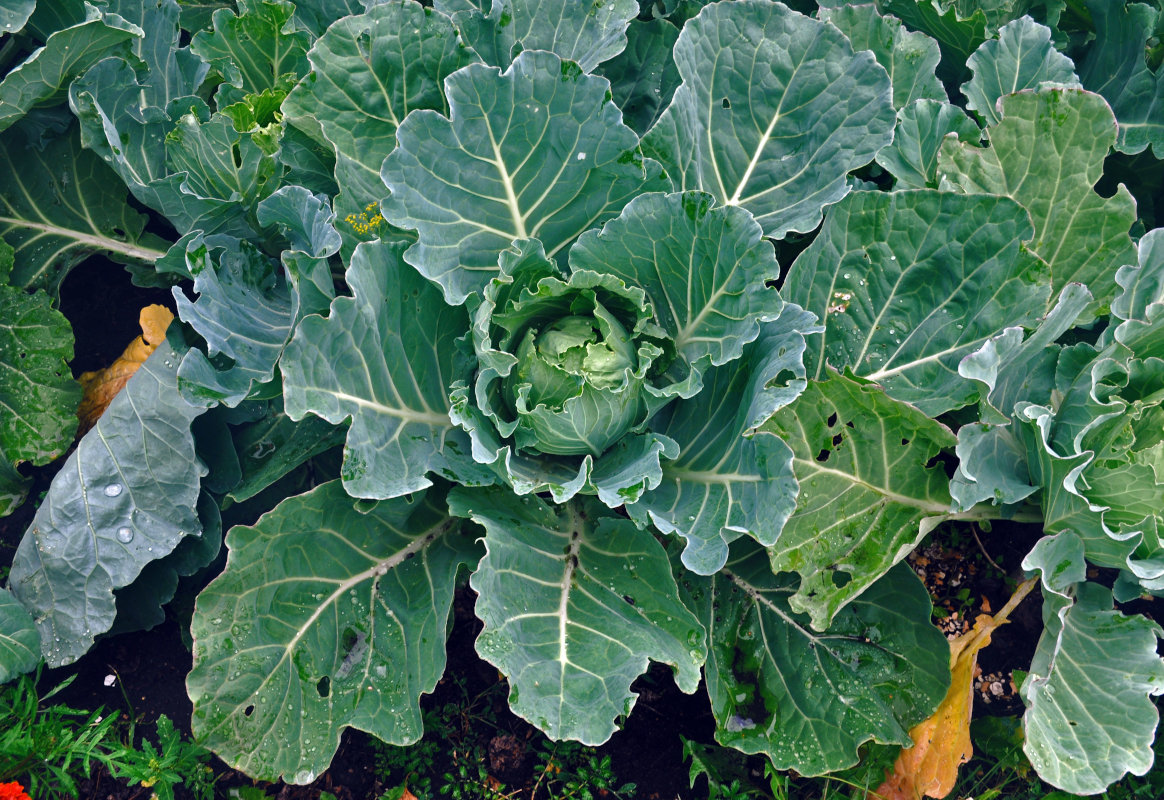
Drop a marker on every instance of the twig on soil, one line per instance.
(982, 548)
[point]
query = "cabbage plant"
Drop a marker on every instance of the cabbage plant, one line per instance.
(674, 326)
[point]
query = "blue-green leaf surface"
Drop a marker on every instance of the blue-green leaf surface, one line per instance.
(910, 57)
(330, 614)
(780, 144)
(19, 640)
(43, 76)
(357, 93)
(537, 151)
(1116, 66)
(909, 283)
(727, 482)
(912, 157)
(575, 602)
(992, 459)
(125, 497)
(371, 361)
(702, 266)
(14, 13)
(643, 77)
(59, 205)
(38, 396)
(808, 700)
(1022, 57)
(244, 312)
(254, 49)
(587, 32)
(1090, 719)
(1047, 153)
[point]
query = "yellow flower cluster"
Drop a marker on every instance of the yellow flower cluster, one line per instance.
(367, 221)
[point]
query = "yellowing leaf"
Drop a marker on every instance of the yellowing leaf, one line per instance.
(942, 742)
(101, 386)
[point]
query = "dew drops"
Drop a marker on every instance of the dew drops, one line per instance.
(112, 490)
(125, 535)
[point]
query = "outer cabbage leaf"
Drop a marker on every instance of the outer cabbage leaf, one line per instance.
(808, 700)
(779, 145)
(273, 445)
(992, 458)
(37, 392)
(586, 32)
(537, 151)
(307, 222)
(126, 113)
(1116, 67)
(244, 312)
(575, 601)
(1090, 718)
(125, 497)
(643, 77)
(15, 13)
(42, 77)
(958, 34)
(910, 57)
(371, 361)
(866, 497)
(1022, 57)
(19, 640)
(220, 164)
(331, 613)
(1047, 153)
(141, 605)
(1141, 284)
(902, 308)
(702, 266)
(912, 157)
(254, 49)
(727, 482)
(59, 205)
(13, 488)
(357, 94)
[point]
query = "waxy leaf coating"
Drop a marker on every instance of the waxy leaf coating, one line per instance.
(331, 613)
(774, 109)
(537, 151)
(805, 699)
(575, 601)
(124, 498)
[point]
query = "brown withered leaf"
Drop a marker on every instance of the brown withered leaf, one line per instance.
(942, 742)
(101, 386)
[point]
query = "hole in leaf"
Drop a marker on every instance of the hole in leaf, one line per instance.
(236, 154)
(837, 440)
(850, 424)
(628, 599)
(832, 420)
(248, 711)
(725, 103)
(823, 455)
(904, 442)
(841, 578)
(324, 686)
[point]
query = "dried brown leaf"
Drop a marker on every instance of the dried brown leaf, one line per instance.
(101, 386)
(942, 742)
